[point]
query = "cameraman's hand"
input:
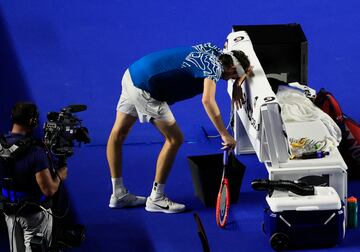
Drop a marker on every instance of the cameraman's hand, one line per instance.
(61, 161)
(49, 184)
(62, 172)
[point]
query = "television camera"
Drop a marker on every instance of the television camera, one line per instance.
(63, 128)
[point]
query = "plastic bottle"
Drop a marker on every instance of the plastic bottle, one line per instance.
(352, 212)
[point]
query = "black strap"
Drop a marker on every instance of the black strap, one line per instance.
(271, 185)
(19, 149)
(8, 162)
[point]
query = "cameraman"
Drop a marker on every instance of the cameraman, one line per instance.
(33, 183)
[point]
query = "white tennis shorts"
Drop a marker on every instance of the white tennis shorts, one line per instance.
(138, 103)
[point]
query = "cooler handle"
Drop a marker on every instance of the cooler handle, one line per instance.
(307, 208)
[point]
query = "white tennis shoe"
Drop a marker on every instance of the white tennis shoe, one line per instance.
(126, 200)
(163, 204)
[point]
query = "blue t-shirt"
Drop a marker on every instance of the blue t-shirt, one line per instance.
(177, 74)
(35, 160)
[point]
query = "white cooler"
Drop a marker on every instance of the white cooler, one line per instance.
(293, 221)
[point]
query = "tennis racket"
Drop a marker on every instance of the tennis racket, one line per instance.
(223, 198)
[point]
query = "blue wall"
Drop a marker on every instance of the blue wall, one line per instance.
(62, 52)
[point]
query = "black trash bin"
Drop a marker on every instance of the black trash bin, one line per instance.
(206, 174)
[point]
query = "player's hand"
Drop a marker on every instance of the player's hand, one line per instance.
(237, 93)
(228, 142)
(249, 72)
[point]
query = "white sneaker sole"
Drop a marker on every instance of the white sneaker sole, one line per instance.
(117, 205)
(125, 204)
(158, 210)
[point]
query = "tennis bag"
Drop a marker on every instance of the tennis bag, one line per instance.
(350, 144)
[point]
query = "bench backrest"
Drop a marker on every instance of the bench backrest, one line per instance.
(258, 124)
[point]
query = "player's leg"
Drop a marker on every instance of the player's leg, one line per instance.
(126, 116)
(158, 202)
(120, 196)
(119, 133)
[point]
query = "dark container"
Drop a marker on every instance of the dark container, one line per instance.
(282, 50)
(206, 174)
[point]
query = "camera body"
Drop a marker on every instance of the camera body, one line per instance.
(62, 129)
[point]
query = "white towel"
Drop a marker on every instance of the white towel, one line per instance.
(295, 106)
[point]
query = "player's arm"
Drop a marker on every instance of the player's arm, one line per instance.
(212, 110)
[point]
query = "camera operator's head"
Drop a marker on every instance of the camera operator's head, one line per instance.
(24, 117)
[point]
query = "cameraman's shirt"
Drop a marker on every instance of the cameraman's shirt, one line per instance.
(177, 74)
(26, 166)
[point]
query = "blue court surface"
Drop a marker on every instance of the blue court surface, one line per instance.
(138, 230)
(57, 53)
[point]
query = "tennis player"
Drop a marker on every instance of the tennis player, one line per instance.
(149, 86)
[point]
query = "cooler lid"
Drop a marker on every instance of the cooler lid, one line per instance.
(325, 198)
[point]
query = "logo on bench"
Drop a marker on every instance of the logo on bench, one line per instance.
(238, 39)
(269, 98)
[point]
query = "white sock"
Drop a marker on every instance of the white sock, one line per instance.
(157, 191)
(118, 186)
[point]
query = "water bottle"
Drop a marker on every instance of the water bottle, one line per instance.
(352, 212)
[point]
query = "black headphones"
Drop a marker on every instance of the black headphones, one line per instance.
(26, 114)
(34, 120)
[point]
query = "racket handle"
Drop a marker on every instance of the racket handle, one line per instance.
(226, 157)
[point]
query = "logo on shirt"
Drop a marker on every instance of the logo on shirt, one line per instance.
(208, 64)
